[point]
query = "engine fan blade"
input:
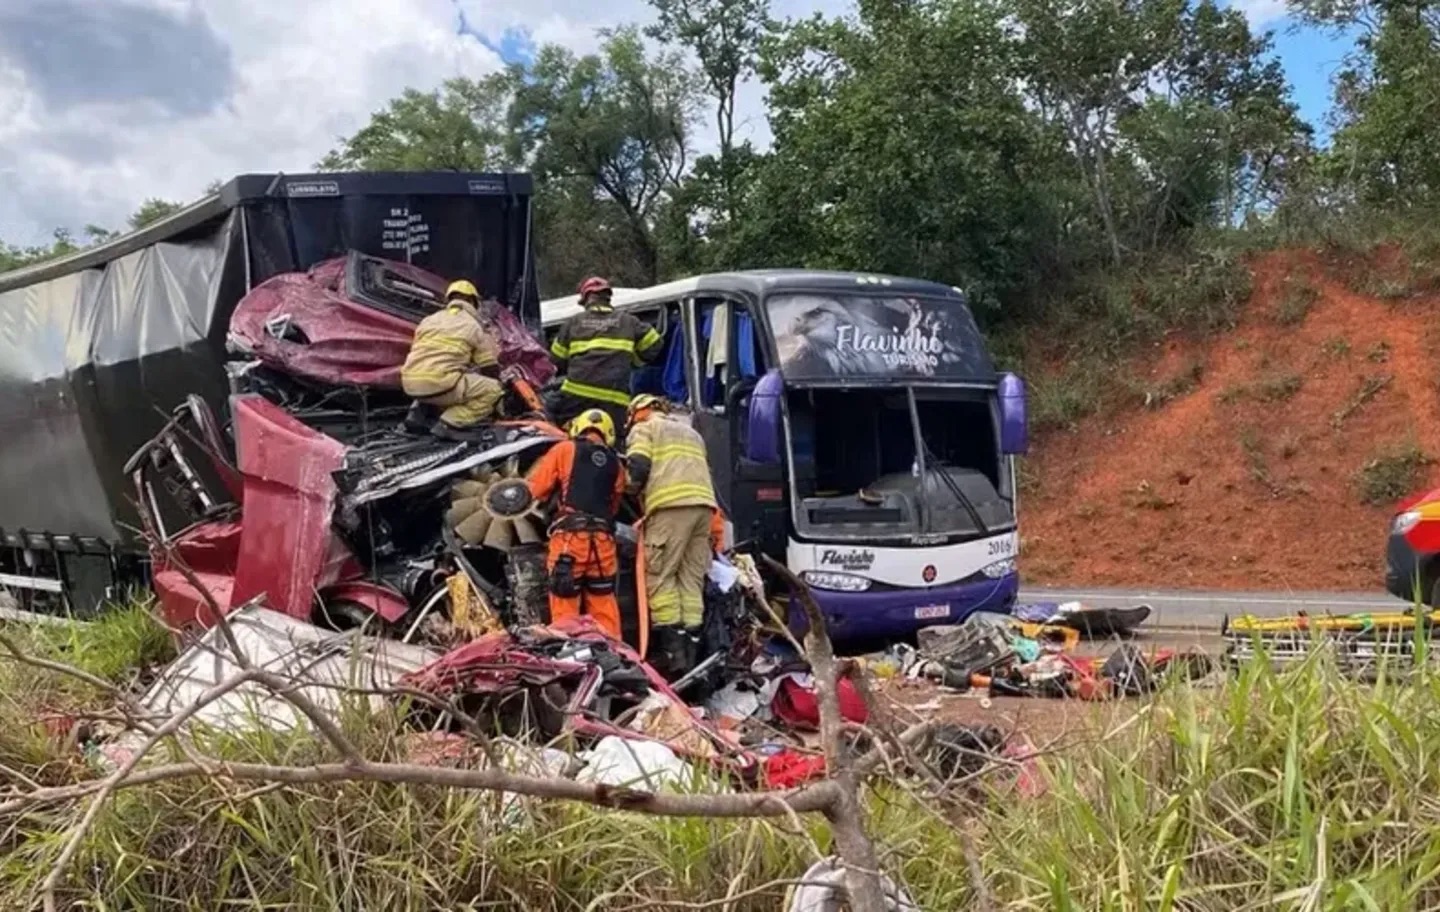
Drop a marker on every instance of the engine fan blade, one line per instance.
(501, 535)
(527, 529)
(476, 527)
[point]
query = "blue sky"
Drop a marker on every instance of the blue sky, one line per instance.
(104, 103)
(1311, 58)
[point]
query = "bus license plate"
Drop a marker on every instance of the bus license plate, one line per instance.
(930, 612)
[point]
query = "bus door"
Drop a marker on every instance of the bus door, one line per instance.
(728, 361)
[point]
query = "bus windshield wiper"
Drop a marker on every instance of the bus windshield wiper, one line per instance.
(954, 489)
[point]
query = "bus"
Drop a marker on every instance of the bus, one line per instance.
(857, 429)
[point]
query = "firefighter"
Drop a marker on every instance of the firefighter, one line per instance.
(454, 363)
(597, 349)
(582, 561)
(683, 527)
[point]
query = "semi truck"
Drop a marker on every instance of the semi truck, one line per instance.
(99, 348)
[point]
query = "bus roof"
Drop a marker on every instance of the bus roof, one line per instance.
(755, 282)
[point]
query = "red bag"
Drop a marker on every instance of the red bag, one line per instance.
(799, 707)
(789, 768)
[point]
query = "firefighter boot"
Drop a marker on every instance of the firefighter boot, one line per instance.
(667, 650)
(692, 648)
(420, 418)
(481, 434)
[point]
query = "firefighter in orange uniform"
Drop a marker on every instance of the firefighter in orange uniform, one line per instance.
(586, 472)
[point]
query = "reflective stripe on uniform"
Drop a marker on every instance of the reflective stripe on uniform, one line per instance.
(602, 344)
(668, 451)
(559, 350)
(649, 340)
(586, 391)
(671, 495)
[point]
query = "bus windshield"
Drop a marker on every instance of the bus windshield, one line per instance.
(829, 336)
(901, 463)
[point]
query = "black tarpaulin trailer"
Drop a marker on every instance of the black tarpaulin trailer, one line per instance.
(96, 348)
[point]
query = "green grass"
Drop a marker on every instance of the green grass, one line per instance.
(1265, 791)
(1223, 794)
(1297, 298)
(1391, 475)
(1061, 399)
(1278, 388)
(1369, 388)
(120, 646)
(1185, 382)
(1271, 388)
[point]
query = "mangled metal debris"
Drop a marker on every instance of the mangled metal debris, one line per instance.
(327, 667)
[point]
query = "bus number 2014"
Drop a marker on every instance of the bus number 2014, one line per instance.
(1001, 546)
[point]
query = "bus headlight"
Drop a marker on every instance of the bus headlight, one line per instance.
(1000, 568)
(840, 582)
(1406, 521)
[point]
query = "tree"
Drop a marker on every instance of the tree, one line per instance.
(725, 35)
(902, 144)
(617, 121)
(153, 210)
(1218, 136)
(1174, 113)
(459, 127)
(1387, 100)
(62, 243)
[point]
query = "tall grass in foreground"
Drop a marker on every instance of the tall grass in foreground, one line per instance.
(1297, 790)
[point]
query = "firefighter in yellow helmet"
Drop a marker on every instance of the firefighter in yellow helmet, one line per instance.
(683, 528)
(585, 476)
(454, 363)
(597, 349)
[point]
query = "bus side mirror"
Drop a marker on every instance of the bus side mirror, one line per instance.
(762, 433)
(1014, 430)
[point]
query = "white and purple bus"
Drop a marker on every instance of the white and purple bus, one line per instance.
(857, 429)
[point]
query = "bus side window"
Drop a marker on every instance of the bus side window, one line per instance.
(665, 376)
(709, 353)
(748, 365)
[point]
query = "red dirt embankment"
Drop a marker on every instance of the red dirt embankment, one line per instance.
(1251, 478)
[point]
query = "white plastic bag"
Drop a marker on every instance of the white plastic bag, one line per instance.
(723, 575)
(645, 765)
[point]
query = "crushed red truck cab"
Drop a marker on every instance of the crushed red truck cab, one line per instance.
(331, 510)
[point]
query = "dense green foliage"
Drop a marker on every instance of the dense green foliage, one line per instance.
(1042, 154)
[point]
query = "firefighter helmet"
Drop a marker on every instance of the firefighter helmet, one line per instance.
(645, 402)
(594, 420)
(594, 286)
(464, 290)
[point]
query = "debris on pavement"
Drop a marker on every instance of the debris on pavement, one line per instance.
(1089, 620)
(1010, 657)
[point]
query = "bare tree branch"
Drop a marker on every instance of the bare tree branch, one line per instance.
(857, 852)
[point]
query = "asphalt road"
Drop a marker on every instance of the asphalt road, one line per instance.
(1204, 612)
(1175, 614)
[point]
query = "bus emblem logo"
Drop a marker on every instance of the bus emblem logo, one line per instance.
(847, 560)
(928, 574)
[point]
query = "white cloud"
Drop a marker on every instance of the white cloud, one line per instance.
(1262, 13)
(272, 87)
